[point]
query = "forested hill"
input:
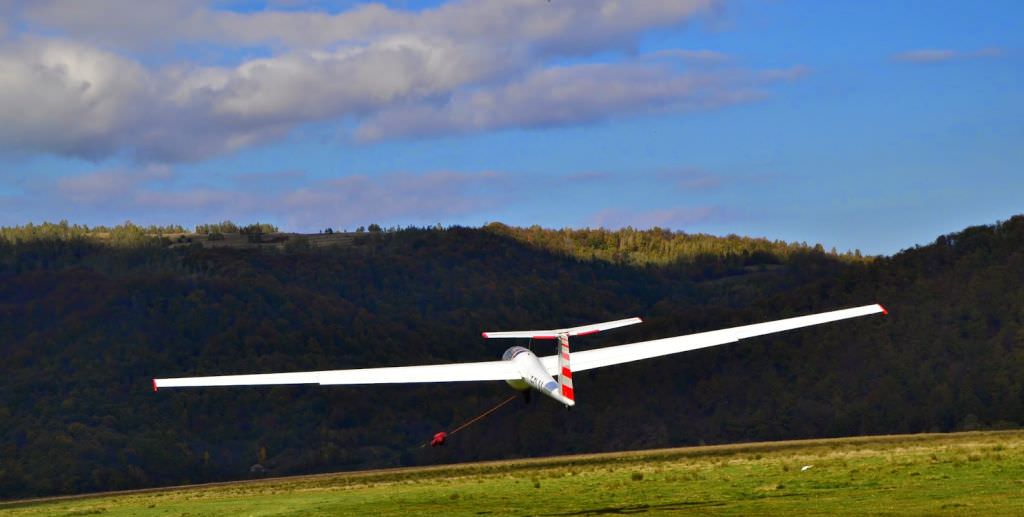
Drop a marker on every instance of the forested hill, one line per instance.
(88, 317)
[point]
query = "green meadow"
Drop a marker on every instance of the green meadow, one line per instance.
(977, 473)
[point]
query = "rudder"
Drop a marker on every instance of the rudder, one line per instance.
(564, 369)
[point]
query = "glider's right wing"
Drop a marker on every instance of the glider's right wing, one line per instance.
(590, 359)
(485, 371)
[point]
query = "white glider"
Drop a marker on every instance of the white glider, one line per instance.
(523, 370)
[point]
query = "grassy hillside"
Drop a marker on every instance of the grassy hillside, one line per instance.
(87, 322)
(958, 474)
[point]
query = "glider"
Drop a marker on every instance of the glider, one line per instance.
(523, 370)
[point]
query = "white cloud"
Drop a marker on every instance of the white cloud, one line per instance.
(304, 86)
(941, 55)
(59, 97)
(573, 95)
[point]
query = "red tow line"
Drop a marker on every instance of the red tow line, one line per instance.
(439, 438)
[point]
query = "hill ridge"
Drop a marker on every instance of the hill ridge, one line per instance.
(88, 325)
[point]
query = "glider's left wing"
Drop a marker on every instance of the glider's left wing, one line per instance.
(590, 359)
(485, 371)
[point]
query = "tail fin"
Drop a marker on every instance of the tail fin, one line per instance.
(564, 370)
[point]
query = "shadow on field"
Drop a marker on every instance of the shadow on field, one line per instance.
(641, 508)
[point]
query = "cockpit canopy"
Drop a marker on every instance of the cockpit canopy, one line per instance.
(512, 352)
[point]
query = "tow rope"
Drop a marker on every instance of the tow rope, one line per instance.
(440, 437)
(485, 413)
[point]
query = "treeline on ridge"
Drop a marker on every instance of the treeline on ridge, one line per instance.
(655, 246)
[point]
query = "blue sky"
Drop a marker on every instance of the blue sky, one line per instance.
(860, 125)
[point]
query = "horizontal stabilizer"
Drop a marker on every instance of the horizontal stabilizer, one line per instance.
(572, 331)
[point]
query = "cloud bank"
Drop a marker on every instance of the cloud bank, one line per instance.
(156, 194)
(114, 77)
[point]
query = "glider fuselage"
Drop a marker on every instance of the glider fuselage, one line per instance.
(533, 375)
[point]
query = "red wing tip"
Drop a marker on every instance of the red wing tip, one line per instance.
(885, 312)
(484, 334)
(154, 385)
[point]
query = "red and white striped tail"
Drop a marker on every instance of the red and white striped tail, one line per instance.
(564, 370)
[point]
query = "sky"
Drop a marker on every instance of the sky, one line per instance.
(873, 125)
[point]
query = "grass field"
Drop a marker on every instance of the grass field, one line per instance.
(979, 473)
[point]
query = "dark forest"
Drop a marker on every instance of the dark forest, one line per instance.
(89, 316)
